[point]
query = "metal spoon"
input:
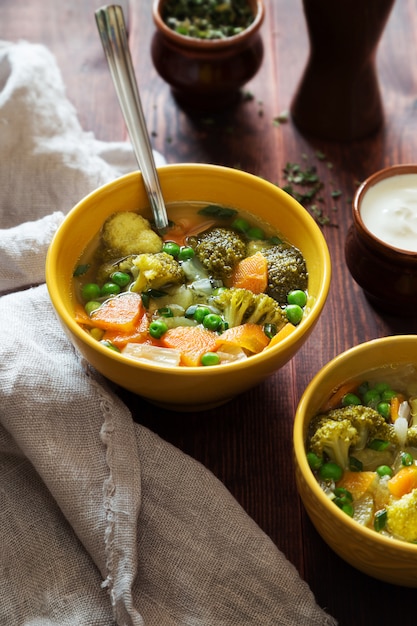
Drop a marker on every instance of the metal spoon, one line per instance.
(112, 30)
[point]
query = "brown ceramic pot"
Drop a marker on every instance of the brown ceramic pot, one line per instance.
(388, 275)
(338, 97)
(207, 74)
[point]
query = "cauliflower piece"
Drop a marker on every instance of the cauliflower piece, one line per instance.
(108, 268)
(156, 271)
(240, 306)
(334, 438)
(219, 250)
(128, 233)
(402, 517)
(287, 271)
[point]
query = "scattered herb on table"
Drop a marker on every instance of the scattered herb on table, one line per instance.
(207, 19)
(305, 185)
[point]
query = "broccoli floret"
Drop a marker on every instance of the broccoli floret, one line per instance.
(412, 436)
(365, 424)
(127, 233)
(368, 422)
(334, 439)
(402, 517)
(156, 271)
(287, 271)
(241, 306)
(219, 250)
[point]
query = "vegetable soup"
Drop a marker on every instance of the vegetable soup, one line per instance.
(218, 287)
(362, 448)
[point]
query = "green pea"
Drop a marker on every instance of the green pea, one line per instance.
(121, 278)
(172, 248)
(212, 321)
(255, 233)
(110, 345)
(387, 395)
(330, 471)
(384, 470)
(110, 289)
(384, 409)
(381, 387)
(297, 296)
(210, 358)
(240, 224)
(350, 399)
(90, 291)
(91, 306)
(371, 397)
(380, 520)
(347, 508)
(157, 328)
(294, 313)
(185, 253)
(378, 444)
(314, 461)
(407, 459)
(343, 493)
(200, 313)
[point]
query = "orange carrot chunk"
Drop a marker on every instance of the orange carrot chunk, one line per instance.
(139, 334)
(404, 481)
(191, 341)
(285, 331)
(251, 273)
(250, 337)
(358, 483)
(120, 313)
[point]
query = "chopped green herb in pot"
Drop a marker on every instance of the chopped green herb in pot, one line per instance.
(207, 19)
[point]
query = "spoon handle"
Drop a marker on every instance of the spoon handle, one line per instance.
(112, 30)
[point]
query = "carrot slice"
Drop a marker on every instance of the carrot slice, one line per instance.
(404, 481)
(191, 341)
(250, 337)
(336, 399)
(358, 483)
(251, 273)
(120, 313)
(185, 228)
(81, 317)
(139, 334)
(395, 406)
(281, 334)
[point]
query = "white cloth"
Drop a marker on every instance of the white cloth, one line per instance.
(101, 521)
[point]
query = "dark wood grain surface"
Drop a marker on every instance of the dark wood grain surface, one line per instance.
(247, 443)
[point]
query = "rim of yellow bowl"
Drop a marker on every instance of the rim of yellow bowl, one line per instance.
(299, 442)
(192, 169)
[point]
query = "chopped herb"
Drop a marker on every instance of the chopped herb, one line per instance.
(80, 270)
(336, 193)
(208, 19)
(217, 211)
(282, 118)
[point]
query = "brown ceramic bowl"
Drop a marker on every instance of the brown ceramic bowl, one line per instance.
(207, 74)
(387, 273)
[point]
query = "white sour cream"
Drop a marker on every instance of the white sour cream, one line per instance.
(389, 211)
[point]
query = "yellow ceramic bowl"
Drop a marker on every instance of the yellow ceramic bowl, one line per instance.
(179, 387)
(387, 559)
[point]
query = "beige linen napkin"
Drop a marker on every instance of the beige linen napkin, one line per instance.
(101, 521)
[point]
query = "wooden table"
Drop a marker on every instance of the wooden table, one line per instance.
(247, 443)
